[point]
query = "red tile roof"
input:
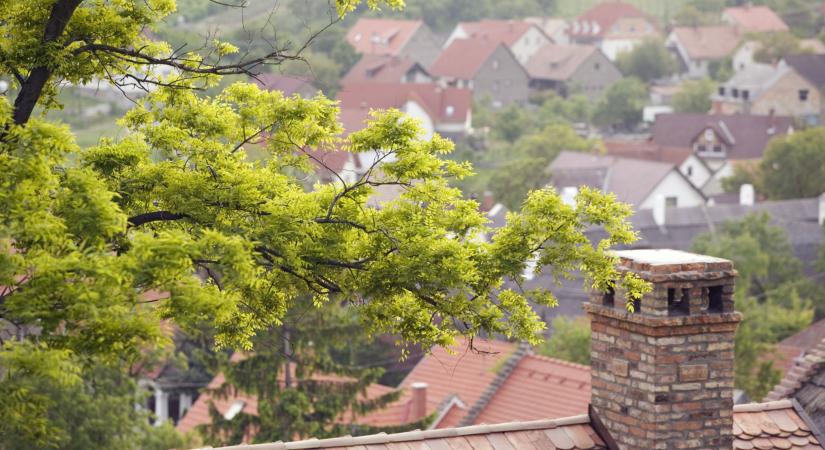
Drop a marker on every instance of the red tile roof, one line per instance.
(711, 42)
(772, 425)
(539, 388)
(605, 14)
(756, 19)
(382, 36)
(379, 69)
(449, 105)
(463, 58)
(504, 31)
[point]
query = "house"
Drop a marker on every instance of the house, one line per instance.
(553, 27)
(745, 56)
(754, 19)
(614, 27)
(486, 67)
(386, 69)
(812, 68)
(569, 69)
(697, 48)
(662, 377)
(447, 111)
(289, 85)
(770, 89)
(805, 384)
(409, 39)
(521, 37)
(661, 181)
(715, 142)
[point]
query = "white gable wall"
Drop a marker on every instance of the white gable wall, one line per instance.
(674, 185)
(696, 171)
(416, 111)
(529, 43)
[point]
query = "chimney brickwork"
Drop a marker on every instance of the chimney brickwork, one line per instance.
(662, 376)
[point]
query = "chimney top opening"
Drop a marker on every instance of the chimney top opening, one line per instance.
(715, 299)
(678, 305)
(609, 297)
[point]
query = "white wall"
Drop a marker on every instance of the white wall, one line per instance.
(416, 111)
(612, 47)
(695, 171)
(529, 44)
(675, 185)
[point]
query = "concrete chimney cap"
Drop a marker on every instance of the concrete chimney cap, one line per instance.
(658, 257)
(419, 385)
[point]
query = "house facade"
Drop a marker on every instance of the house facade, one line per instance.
(488, 68)
(615, 27)
(409, 39)
(697, 48)
(386, 69)
(521, 37)
(572, 69)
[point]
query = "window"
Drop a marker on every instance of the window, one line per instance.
(671, 202)
(745, 94)
(597, 66)
(717, 148)
(734, 92)
(803, 95)
(701, 148)
(689, 170)
(495, 64)
(721, 91)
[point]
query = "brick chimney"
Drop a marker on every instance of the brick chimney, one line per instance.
(418, 408)
(662, 376)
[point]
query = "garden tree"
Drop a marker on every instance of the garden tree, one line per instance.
(767, 293)
(648, 61)
(775, 46)
(524, 166)
(570, 340)
(794, 165)
(694, 96)
(622, 105)
(308, 361)
(743, 173)
(175, 207)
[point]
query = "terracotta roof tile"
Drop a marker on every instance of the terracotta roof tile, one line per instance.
(379, 69)
(505, 31)
(463, 58)
(710, 42)
(771, 425)
(557, 62)
(289, 85)
(381, 36)
(757, 19)
(605, 14)
(450, 104)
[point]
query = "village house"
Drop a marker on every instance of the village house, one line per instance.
(409, 39)
(812, 68)
(614, 27)
(754, 19)
(487, 67)
(662, 182)
(745, 56)
(521, 37)
(386, 69)
(766, 89)
(553, 27)
(662, 376)
(572, 69)
(698, 48)
(805, 384)
(706, 147)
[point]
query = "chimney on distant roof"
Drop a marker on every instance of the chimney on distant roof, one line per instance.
(662, 376)
(747, 196)
(418, 410)
(821, 216)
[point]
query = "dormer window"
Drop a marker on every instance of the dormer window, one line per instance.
(717, 149)
(721, 91)
(803, 95)
(745, 94)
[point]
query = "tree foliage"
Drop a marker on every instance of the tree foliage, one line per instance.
(648, 61)
(570, 340)
(794, 165)
(176, 207)
(623, 104)
(694, 96)
(775, 46)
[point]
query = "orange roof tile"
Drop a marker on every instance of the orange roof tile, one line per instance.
(772, 425)
(710, 42)
(380, 69)
(442, 104)
(381, 36)
(605, 14)
(505, 31)
(539, 388)
(463, 58)
(755, 18)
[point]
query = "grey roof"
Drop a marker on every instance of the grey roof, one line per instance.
(632, 180)
(812, 67)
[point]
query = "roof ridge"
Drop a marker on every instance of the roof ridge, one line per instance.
(417, 435)
(812, 362)
(493, 387)
(559, 361)
(765, 406)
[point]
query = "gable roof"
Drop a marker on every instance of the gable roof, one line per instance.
(747, 134)
(287, 84)
(382, 36)
(805, 383)
(792, 349)
(442, 104)
(463, 58)
(610, 174)
(773, 425)
(505, 31)
(598, 20)
(381, 69)
(710, 42)
(811, 67)
(755, 18)
(558, 62)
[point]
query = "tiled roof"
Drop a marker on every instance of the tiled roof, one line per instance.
(380, 69)
(382, 36)
(805, 382)
(710, 42)
(450, 104)
(811, 66)
(463, 58)
(557, 62)
(757, 19)
(772, 425)
(505, 31)
(539, 387)
(750, 133)
(605, 14)
(572, 433)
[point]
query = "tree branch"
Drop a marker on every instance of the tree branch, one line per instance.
(157, 216)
